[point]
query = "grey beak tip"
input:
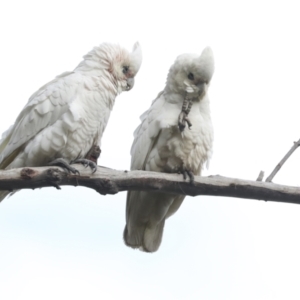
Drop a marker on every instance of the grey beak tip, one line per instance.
(130, 84)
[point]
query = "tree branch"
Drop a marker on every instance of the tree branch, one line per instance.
(109, 181)
(280, 164)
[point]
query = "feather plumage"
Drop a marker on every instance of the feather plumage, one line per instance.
(68, 115)
(160, 146)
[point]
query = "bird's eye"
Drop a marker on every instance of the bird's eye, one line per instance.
(191, 76)
(125, 69)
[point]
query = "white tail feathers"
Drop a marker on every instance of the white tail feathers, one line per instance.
(147, 239)
(152, 237)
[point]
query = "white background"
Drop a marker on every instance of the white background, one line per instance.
(68, 244)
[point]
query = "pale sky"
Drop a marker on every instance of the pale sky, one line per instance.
(68, 244)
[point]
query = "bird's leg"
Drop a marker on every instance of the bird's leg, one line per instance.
(189, 107)
(94, 154)
(188, 173)
(183, 116)
(60, 162)
(90, 159)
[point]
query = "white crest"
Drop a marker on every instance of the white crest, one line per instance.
(136, 57)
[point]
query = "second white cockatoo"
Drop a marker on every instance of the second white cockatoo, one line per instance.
(66, 118)
(163, 143)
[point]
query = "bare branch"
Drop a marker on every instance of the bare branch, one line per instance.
(280, 164)
(109, 181)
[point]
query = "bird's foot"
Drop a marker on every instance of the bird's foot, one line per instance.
(86, 162)
(183, 116)
(60, 162)
(182, 120)
(94, 154)
(187, 173)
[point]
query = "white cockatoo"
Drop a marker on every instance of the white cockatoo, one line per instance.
(163, 143)
(66, 118)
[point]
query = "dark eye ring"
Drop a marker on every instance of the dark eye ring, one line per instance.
(191, 76)
(125, 69)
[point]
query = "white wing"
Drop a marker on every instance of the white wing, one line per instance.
(44, 107)
(159, 116)
(146, 134)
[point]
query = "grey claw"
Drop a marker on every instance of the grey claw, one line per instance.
(60, 162)
(188, 122)
(188, 173)
(86, 163)
(182, 120)
(75, 171)
(191, 175)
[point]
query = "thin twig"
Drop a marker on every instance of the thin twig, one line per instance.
(260, 176)
(278, 167)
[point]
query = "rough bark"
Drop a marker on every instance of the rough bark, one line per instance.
(109, 181)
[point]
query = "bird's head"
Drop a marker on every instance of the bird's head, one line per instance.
(115, 62)
(125, 65)
(191, 73)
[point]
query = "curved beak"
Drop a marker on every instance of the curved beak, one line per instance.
(202, 88)
(130, 84)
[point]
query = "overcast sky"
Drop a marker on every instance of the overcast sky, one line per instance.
(68, 244)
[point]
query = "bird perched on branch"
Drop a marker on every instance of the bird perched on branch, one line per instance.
(66, 118)
(175, 136)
